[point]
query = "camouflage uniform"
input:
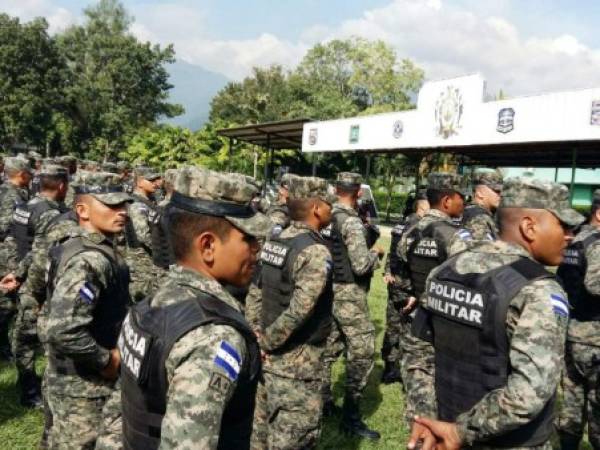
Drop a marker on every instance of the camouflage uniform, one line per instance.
(536, 323)
(477, 219)
(397, 323)
(144, 274)
(289, 404)
(10, 197)
(201, 384)
(279, 213)
(83, 284)
(581, 399)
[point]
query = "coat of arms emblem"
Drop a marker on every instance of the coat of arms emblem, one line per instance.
(398, 129)
(506, 120)
(448, 112)
(595, 118)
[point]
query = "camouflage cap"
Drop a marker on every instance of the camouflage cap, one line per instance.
(170, 176)
(123, 165)
(104, 186)
(32, 154)
(147, 173)
(17, 163)
(446, 181)
(203, 191)
(66, 159)
(311, 187)
(92, 164)
(348, 179)
(55, 170)
(491, 179)
(526, 192)
(109, 167)
(285, 180)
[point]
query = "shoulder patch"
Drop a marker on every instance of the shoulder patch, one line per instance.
(464, 234)
(219, 383)
(228, 359)
(87, 294)
(329, 265)
(560, 305)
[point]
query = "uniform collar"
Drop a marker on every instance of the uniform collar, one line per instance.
(438, 214)
(498, 246)
(345, 208)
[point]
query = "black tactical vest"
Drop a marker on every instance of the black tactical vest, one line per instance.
(130, 235)
(110, 308)
(396, 234)
(20, 201)
(472, 211)
(146, 339)
(24, 219)
(277, 262)
(162, 250)
(427, 250)
(465, 319)
(571, 274)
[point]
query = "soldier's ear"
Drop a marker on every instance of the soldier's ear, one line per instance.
(205, 245)
(528, 227)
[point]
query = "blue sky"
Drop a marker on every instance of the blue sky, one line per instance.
(521, 46)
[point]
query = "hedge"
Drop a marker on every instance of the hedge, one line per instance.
(396, 207)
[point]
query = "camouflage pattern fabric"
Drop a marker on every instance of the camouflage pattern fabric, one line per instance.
(447, 181)
(311, 187)
(348, 178)
(581, 403)
(110, 436)
(481, 226)
(76, 421)
(293, 377)
(190, 367)
(277, 214)
(491, 179)
(536, 335)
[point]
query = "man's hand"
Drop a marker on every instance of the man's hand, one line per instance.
(410, 305)
(9, 283)
(388, 278)
(446, 433)
(421, 438)
(111, 371)
(379, 250)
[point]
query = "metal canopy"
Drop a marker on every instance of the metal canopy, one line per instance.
(285, 134)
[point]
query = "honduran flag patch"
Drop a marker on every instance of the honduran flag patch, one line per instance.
(560, 305)
(228, 359)
(87, 294)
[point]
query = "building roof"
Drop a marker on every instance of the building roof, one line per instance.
(285, 134)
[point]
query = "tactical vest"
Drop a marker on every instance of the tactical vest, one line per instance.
(146, 339)
(130, 235)
(24, 220)
(162, 250)
(110, 308)
(472, 211)
(342, 268)
(427, 250)
(464, 317)
(4, 189)
(277, 262)
(571, 274)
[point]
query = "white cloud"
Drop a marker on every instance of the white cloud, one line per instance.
(58, 18)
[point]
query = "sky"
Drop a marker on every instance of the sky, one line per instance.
(520, 46)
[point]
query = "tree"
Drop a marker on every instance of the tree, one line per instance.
(32, 76)
(117, 84)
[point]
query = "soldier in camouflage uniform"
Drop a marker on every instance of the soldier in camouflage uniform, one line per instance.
(13, 192)
(144, 278)
(353, 332)
(210, 359)
(28, 229)
(279, 212)
(395, 276)
(580, 275)
(478, 216)
(70, 163)
(88, 282)
(290, 309)
(493, 322)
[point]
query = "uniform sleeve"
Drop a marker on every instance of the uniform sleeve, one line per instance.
(419, 366)
(362, 260)
(7, 206)
(537, 323)
(253, 309)
(72, 306)
(138, 213)
(203, 369)
(311, 272)
(41, 228)
(482, 227)
(592, 276)
(459, 242)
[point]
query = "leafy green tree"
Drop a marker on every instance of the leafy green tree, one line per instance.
(117, 84)
(32, 76)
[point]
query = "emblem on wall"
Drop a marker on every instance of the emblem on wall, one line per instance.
(313, 135)
(595, 118)
(448, 112)
(506, 120)
(354, 133)
(398, 129)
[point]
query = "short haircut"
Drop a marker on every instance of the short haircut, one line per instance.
(184, 227)
(435, 196)
(595, 207)
(299, 207)
(52, 182)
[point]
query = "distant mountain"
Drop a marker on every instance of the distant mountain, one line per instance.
(194, 88)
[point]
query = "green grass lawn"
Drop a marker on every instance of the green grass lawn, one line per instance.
(383, 405)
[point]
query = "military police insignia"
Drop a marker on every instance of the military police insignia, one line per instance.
(448, 112)
(506, 120)
(398, 129)
(228, 359)
(595, 115)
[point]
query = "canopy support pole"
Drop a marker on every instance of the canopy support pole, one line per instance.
(573, 171)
